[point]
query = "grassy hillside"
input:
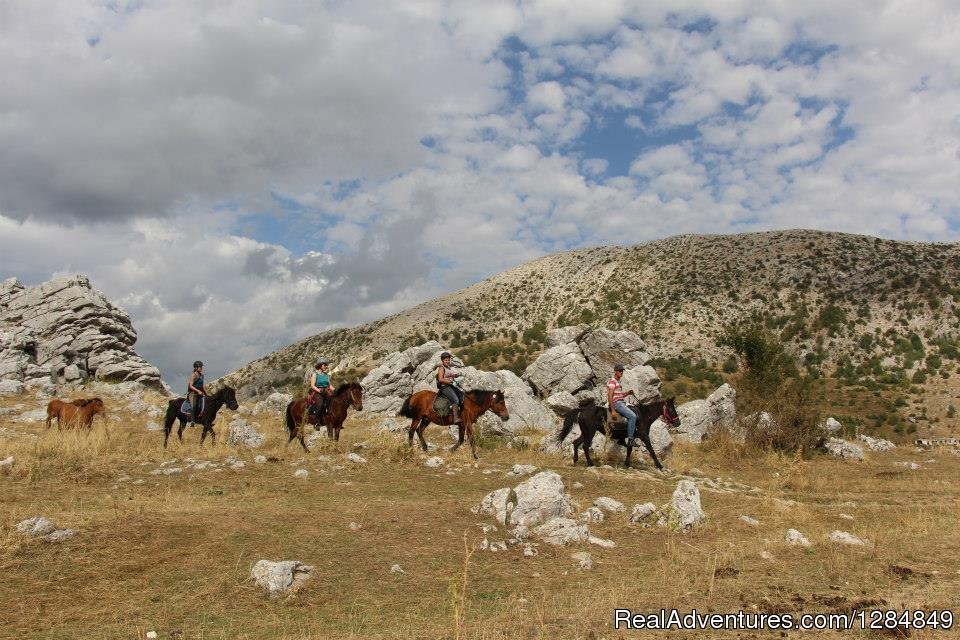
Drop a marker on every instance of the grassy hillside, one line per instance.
(874, 316)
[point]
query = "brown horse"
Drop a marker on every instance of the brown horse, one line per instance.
(53, 408)
(346, 395)
(419, 408)
(79, 415)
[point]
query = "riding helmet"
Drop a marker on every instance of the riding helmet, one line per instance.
(618, 367)
(197, 364)
(445, 354)
(321, 361)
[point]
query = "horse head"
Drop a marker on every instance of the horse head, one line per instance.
(669, 413)
(356, 396)
(230, 397)
(498, 405)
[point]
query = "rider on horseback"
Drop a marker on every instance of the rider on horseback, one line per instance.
(195, 391)
(447, 385)
(320, 390)
(615, 400)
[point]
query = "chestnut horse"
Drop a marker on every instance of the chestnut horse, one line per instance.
(212, 403)
(419, 408)
(53, 408)
(74, 415)
(346, 395)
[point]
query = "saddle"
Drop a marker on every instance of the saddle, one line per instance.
(187, 410)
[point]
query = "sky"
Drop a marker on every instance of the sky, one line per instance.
(239, 175)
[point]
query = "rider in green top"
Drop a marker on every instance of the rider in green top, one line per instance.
(320, 390)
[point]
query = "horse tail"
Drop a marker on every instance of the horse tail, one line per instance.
(291, 425)
(170, 417)
(405, 409)
(568, 421)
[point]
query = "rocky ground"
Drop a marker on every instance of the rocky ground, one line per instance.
(368, 538)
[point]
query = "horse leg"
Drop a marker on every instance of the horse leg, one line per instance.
(183, 425)
(586, 444)
(411, 430)
(473, 442)
(330, 433)
(576, 447)
(459, 439)
(303, 440)
(420, 429)
(653, 454)
(166, 435)
(626, 462)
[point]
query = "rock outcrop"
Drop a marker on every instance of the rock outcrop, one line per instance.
(64, 330)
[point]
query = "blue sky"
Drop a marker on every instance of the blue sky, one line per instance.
(284, 168)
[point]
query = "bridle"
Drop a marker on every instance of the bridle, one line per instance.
(353, 398)
(665, 415)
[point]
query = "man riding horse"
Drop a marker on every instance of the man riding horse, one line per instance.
(320, 389)
(616, 401)
(447, 385)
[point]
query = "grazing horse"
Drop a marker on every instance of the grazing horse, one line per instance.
(73, 414)
(225, 396)
(53, 408)
(345, 396)
(419, 408)
(592, 418)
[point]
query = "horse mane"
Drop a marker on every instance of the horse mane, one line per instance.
(478, 395)
(342, 389)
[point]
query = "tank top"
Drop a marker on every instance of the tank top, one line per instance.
(447, 372)
(198, 383)
(321, 380)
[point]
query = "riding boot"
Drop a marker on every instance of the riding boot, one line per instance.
(455, 413)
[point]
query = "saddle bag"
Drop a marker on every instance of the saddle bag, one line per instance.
(441, 405)
(185, 408)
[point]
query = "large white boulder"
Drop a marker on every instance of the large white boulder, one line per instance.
(526, 412)
(699, 418)
(564, 335)
(684, 510)
(540, 498)
(876, 444)
(603, 348)
(562, 531)
(843, 449)
(643, 381)
(562, 402)
(243, 434)
(560, 368)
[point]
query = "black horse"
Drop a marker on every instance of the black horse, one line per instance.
(225, 396)
(592, 418)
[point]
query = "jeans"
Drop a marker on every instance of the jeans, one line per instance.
(631, 417)
(452, 394)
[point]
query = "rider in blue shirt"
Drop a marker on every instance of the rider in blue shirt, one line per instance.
(320, 390)
(195, 391)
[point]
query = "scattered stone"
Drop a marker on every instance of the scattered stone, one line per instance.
(239, 464)
(593, 514)
(684, 510)
(151, 635)
(60, 535)
(243, 434)
(301, 473)
(498, 504)
(280, 577)
(842, 537)
(753, 522)
(36, 526)
(397, 569)
(10, 387)
(522, 469)
(540, 498)
(562, 531)
(913, 466)
(354, 526)
(530, 549)
(259, 459)
(602, 542)
(609, 504)
(6, 463)
(846, 516)
(584, 560)
(766, 555)
(796, 538)
(578, 485)
(356, 458)
(876, 444)
(153, 425)
(843, 449)
(642, 512)
(832, 426)
(434, 462)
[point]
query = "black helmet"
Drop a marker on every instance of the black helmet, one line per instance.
(197, 364)
(445, 355)
(618, 367)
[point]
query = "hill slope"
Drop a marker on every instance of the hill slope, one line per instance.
(864, 308)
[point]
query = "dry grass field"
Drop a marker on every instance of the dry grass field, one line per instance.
(172, 553)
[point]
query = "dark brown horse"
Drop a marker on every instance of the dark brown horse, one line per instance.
(419, 408)
(346, 396)
(53, 408)
(225, 396)
(76, 415)
(592, 418)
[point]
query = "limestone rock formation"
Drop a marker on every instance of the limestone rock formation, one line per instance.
(64, 330)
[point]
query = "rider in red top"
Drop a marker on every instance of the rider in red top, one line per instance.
(615, 400)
